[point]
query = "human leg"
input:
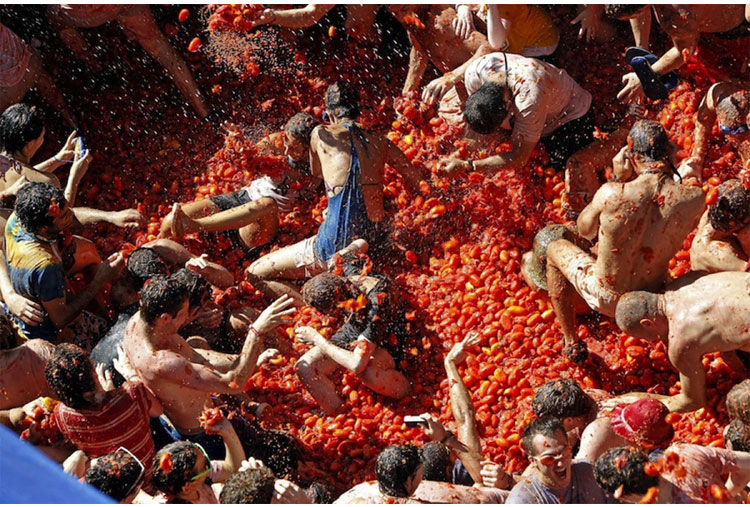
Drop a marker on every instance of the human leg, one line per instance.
(293, 262)
(560, 255)
(140, 22)
(568, 139)
(195, 209)
(313, 369)
(49, 90)
(71, 38)
(382, 377)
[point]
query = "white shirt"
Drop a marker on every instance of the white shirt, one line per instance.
(544, 97)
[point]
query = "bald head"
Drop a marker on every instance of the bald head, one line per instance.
(633, 308)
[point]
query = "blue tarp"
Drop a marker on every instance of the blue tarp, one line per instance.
(28, 476)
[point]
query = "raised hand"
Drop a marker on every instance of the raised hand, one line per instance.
(273, 316)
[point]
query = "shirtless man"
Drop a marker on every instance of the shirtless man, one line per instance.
(21, 70)
(250, 218)
(683, 23)
(183, 378)
(351, 162)
(696, 317)
(729, 103)
(399, 470)
(434, 40)
(139, 23)
(722, 241)
(640, 226)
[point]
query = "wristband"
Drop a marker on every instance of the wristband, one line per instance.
(255, 331)
(447, 437)
(747, 266)
(471, 165)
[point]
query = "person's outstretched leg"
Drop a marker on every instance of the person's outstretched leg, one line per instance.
(562, 293)
(72, 39)
(313, 369)
(139, 21)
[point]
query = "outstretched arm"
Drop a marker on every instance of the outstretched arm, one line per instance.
(418, 61)
(497, 31)
(692, 380)
(463, 408)
(355, 361)
(402, 165)
(177, 255)
(641, 26)
(693, 166)
(295, 18)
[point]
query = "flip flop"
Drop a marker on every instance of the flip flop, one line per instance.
(654, 86)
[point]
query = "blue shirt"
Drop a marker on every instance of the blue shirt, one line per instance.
(36, 271)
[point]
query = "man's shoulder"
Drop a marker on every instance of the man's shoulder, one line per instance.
(366, 492)
(526, 491)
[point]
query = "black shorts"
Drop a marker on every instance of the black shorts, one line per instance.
(228, 201)
(568, 139)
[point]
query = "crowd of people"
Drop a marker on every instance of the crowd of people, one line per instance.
(125, 370)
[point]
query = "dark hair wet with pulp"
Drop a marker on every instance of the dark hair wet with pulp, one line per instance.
(116, 474)
(561, 398)
(162, 295)
(732, 208)
(33, 203)
(649, 139)
(485, 109)
(171, 479)
(738, 434)
(632, 307)
(437, 462)
(320, 492)
(394, 466)
(278, 451)
(324, 291)
(624, 466)
(253, 486)
(198, 288)
(547, 426)
(620, 11)
(342, 100)
(70, 374)
(733, 110)
(300, 127)
(144, 263)
(19, 125)
(738, 402)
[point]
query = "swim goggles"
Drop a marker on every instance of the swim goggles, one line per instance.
(137, 483)
(208, 463)
(728, 131)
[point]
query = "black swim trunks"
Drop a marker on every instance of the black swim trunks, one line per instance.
(228, 201)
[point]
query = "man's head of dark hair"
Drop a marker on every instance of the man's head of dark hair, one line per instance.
(738, 402)
(70, 374)
(33, 205)
(622, 11)
(734, 109)
(633, 308)
(171, 480)
(198, 288)
(144, 263)
(396, 465)
(648, 139)
(624, 466)
(342, 100)
(546, 426)
(437, 462)
(320, 492)
(486, 108)
(732, 208)
(300, 127)
(19, 125)
(738, 434)
(162, 295)
(249, 487)
(561, 398)
(324, 291)
(116, 474)
(279, 451)
(8, 335)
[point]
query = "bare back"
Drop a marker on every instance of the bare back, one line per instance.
(330, 158)
(710, 314)
(438, 39)
(182, 404)
(641, 226)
